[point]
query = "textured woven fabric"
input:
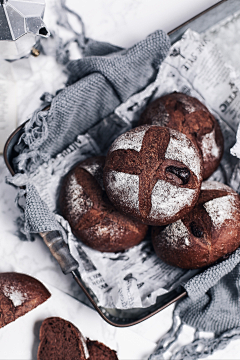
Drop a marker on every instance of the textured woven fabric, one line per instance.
(96, 86)
(205, 311)
(217, 311)
(38, 218)
(201, 283)
(102, 83)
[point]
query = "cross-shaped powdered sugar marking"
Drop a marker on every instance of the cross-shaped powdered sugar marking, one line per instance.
(154, 154)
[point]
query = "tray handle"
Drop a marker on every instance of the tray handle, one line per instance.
(60, 251)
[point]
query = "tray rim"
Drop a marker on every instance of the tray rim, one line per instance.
(77, 278)
(182, 293)
(196, 17)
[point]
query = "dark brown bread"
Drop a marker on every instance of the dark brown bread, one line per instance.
(208, 233)
(19, 294)
(153, 174)
(93, 219)
(61, 340)
(189, 116)
(99, 351)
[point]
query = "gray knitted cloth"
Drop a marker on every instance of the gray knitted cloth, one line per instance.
(96, 86)
(212, 305)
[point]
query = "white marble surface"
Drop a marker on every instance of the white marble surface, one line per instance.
(122, 23)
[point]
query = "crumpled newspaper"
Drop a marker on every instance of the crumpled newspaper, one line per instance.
(196, 67)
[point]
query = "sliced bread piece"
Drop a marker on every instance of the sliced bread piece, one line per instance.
(19, 294)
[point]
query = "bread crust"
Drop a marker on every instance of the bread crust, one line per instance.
(211, 231)
(92, 217)
(61, 340)
(19, 294)
(189, 116)
(99, 351)
(153, 174)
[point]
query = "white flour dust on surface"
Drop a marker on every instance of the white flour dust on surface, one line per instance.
(189, 107)
(164, 119)
(16, 296)
(180, 148)
(112, 230)
(215, 185)
(96, 170)
(168, 199)
(209, 146)
(221, 209)
(130, 140)
(77, 200)
(125, 188)
(176, 235)
(93, 169)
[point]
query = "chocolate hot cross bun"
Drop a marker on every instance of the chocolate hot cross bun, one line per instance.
(153, 174)
(209, 232)
(92, 218)
(189, 116)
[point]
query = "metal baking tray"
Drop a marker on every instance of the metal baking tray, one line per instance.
(124, 318)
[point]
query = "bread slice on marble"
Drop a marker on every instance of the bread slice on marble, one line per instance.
(99, 351)
(61, 340)
(19, 294)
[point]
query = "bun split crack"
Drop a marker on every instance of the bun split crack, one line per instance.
(153, 174)
(211, 231)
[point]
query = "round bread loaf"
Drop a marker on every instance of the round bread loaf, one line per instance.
(153, 174)
(93, 219)
(19, 294)
(189, 116)
(209, 232)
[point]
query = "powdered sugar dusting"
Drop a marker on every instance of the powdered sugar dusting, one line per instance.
(124, 187)
(176, 235)
(112, 230)
(215, 185)
(96, 171)
(102, 230)
(209, 146)
(93, 169)
(132, 139)
(16, 296)
(189, 106)
(168, 199)
(77, 202)
(221, 209)
(161, 117)
(180, 148)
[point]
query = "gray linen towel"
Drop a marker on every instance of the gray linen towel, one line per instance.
(96, 86)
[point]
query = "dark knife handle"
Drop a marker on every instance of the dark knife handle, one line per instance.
(60, 251)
